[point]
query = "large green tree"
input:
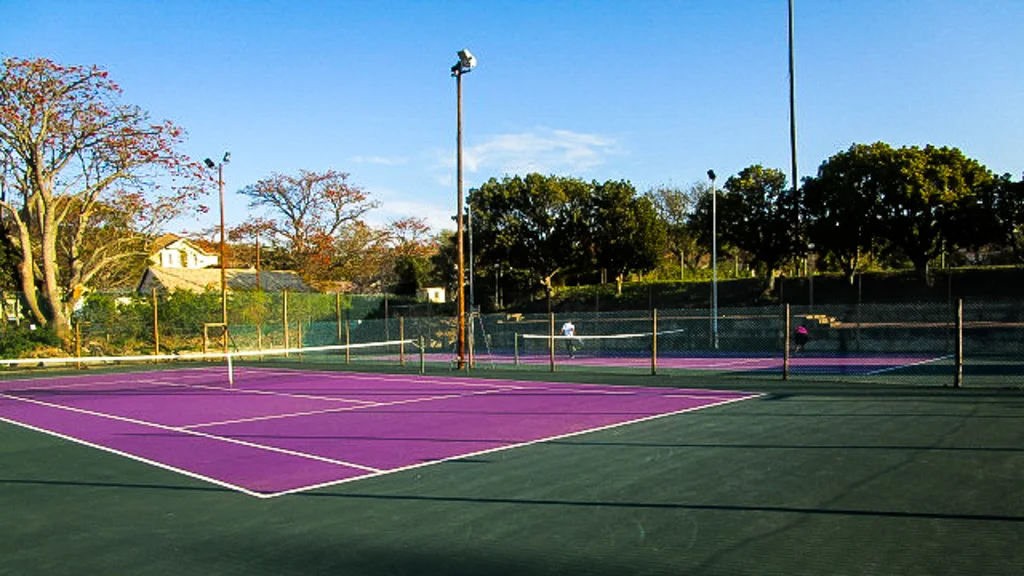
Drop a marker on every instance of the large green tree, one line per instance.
(842, 205)
(86, 180)
(675, 207)
(624, 230)
(759, 214)
(1006, 201)
(929, 201)
(534, 224)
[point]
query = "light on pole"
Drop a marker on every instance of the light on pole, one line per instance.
(465, 64)
(223, 262)
(714, 261)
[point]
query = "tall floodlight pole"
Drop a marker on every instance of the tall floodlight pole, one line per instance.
(714, 261)
(465, 64)
(792, 105)
(223, 258)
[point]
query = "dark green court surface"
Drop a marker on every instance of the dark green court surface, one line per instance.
(808, 479)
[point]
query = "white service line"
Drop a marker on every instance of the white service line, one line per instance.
(340, 409)
(508, 447)
(902, 366)
(237, 390)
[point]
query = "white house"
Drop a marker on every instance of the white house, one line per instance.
(175, 252)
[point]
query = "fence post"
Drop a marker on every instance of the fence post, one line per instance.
(551, 339)
(401, 340)
(337, 317)
(423, 356)
(958, 373)
(860, 279)
(284, 318)
(785, 346)
(348, 352)
(654, 341)
(156, 326)
(515, 347)
(78, 344)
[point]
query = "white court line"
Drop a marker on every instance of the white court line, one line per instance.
(902, 366)
(508, 447)
(137, 458)
(340, 409)
(263, 392)
(739, 361)
(372, 472)
(186, 431)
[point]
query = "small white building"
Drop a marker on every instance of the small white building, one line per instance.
(434, 294)
(175, 252)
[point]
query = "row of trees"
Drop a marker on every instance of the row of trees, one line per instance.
(868, 204)
(87, 183)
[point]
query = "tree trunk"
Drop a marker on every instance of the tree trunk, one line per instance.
(921, 267)
(26, 274)
(51, 285)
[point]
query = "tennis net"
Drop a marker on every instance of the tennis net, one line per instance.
(196, 369)
(637, 346)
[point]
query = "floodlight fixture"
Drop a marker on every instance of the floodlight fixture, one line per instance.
(227, 157)
(209, 163)
(711, 174)
(466, 58)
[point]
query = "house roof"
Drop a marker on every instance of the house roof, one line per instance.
(200, 279)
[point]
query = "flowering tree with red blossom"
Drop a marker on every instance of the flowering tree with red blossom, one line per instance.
(85, 179)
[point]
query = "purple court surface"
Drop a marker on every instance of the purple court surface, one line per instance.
(842, 364)
(279, 431)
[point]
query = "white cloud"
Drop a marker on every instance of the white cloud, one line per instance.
(397, 205)
(542, 150)
(379, 160)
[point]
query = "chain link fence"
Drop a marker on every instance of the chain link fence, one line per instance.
(928, 344)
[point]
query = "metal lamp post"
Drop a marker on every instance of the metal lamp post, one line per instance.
(465, 64)
(714, 261)
(223, 258)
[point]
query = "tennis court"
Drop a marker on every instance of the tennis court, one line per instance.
(272, 431)
(272, 468)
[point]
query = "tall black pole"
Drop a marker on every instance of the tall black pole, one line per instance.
(792, 103)
(223, 262)
(461, 337)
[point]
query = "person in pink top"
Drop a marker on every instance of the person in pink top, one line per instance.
(800, 338)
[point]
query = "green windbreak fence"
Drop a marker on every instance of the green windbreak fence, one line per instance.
(969, 343)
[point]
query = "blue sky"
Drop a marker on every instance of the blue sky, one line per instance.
(654, 92)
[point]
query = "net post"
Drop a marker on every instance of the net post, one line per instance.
(958, 370)
(551, 339)
(515, 348)
(653, 341)
(401, 340)
(785, 346)
(423, 356)
(231, 371)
